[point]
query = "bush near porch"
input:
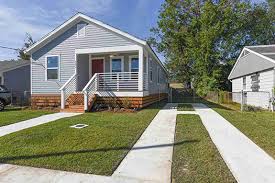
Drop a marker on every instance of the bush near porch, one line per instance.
(96, 149)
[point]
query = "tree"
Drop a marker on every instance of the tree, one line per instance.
(27, 43)
(201, 39)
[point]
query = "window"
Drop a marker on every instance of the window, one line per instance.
(150, 70)
(244, 83)
(52, 71)
(0, 80)
(117, 65)
(134, 65)
(81, 30)
(158, 75)
(255, 82)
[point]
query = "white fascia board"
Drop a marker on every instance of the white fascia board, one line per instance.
(87, 18)
(236, 63)
(253, 52)
(108, 49)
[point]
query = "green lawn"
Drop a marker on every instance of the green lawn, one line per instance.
(185, 107)
(196, 158)
(13, 115)
(258, 126)
(97, 149)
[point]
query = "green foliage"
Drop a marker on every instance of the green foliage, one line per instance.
(27, 43)
(202, 39)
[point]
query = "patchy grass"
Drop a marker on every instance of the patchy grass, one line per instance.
(196, 158)
(14, 115)
(258, 126)
(96, 149)
(185, 107)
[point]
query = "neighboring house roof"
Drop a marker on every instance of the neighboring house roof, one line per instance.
(76, 18)
(11, 65)
(253, 59)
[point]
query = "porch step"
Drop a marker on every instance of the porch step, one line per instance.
(74, 108)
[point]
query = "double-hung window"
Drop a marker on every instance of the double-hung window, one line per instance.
(134, 65)
(244, 83)
(117, 65)
(52, 69)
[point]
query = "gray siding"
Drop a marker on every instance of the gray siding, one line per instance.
(249, 64)
(18, 80)
(154, 87)
(65, 45)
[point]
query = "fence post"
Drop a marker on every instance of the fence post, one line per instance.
(242, 100)
(62, 99)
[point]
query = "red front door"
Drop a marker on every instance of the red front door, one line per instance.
(97, 66)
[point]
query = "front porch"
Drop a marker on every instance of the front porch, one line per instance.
(106, 72)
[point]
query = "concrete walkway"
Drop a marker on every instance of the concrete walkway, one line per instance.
(149, 160)
(4, 130)
(247, 161)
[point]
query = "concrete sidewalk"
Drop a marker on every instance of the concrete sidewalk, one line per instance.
(150, 159)
(247, 161)
(4, 130)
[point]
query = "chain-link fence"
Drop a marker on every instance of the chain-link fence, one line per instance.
(20, 98)
(246, 99)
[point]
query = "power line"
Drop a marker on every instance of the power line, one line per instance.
(5, 47)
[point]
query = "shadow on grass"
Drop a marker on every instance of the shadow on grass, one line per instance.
(11, 109)
(103, 150)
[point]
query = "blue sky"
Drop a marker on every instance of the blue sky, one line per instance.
(40, 17)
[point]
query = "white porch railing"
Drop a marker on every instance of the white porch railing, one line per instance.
(119, 81)
(89, 90)
(67, 89)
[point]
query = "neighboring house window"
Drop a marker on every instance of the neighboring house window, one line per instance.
(151, 71)
(134, 65)
(244, 83)
(81, 30)
(117, 64)
(0, 80)
(52, 63)
(255, 82)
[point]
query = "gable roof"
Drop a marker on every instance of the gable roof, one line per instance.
(253, 59)
(80, 16)
(10, 65)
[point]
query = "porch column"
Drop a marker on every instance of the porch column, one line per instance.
(140, 70)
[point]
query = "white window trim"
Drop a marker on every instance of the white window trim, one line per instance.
(58, 68)
(90, 64)
(117, 57)
(130, 61)
(77, 29)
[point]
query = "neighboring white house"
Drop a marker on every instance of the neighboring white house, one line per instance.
(84, 60)
(254, 74)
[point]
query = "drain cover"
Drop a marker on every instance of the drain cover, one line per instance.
(79, 126)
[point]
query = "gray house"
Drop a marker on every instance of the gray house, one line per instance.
(254, 74)
(15, 75)
(85, 60)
